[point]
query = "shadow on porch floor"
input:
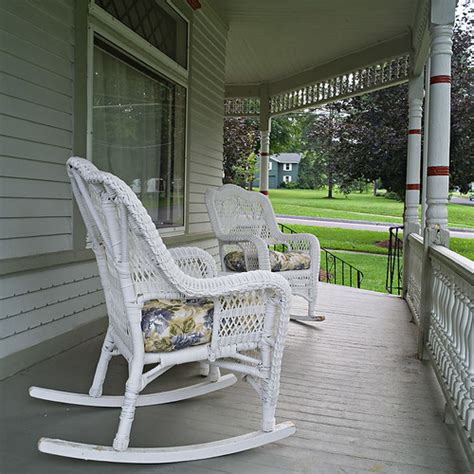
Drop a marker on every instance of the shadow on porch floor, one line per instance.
(360, 399)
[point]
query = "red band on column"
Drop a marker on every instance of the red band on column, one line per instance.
(438, 170)
(414, 131)
(194, 4)
(264, 192)
(264, 153)
(413, 187)
(440, 80)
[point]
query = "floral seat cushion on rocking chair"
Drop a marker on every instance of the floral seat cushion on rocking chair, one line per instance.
(170, 325)
(279, 261)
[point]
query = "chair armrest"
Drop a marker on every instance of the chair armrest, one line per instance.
(195, 262)
(259, 244)
(301, 242)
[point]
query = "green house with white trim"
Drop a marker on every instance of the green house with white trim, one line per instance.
(282, 168)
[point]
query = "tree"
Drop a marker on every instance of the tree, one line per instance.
(462, 107)
(244, 171)
(240, 141)
(321, 138)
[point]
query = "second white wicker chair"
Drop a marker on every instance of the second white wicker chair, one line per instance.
(167, 308)
(244, 222)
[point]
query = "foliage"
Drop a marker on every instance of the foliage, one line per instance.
(285, 134)
(244, 171)
(392, 195)
(462, 107)
(321, 136)
(240, 141)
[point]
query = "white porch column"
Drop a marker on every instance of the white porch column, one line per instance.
(265, 128)
(264, 157)
(426, 128)
(412, 192)
(436, 231)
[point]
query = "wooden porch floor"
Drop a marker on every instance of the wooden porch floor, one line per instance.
(360, 399)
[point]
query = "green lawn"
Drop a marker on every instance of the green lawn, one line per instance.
(365, 240)
(372, 266)
(365, 206)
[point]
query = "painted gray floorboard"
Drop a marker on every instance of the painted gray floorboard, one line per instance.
(360, 400)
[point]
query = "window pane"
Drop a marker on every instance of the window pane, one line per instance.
(154, 21)
(139, 132)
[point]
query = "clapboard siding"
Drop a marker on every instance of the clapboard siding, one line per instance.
(30, 169)
(207, 62)
(12, 207)
(41, 304)
(36, 125)
(26, 247)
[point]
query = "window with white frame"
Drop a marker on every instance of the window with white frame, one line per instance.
(269, 165)
(287, 179)
(139, 116)
(287, 167)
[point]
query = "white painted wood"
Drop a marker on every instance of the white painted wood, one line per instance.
(451, 336)
(166, 455)
(36, 125)
(206, 96)
(437, 183)
(343, 28)
(111, 401)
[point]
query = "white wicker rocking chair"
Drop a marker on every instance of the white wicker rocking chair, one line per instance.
(244, 223)
(248, 325)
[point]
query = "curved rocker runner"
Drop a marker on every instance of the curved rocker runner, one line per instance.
(169, 307)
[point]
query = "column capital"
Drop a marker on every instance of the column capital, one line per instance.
(443, 11)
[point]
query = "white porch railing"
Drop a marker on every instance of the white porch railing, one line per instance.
(413, 294)
(450, 328)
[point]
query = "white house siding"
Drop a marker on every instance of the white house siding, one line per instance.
(42, 304)
(36, 87)
(206, 114)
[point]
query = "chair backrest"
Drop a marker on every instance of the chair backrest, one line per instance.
(132, 258)
(237, 212)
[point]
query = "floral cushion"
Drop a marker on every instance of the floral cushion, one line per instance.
(279, 261)
(170, 325)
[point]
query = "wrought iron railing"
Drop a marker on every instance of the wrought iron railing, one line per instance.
(394, 274)
(333, 268)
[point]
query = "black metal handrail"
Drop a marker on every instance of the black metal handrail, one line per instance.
(394, 274)
(333, 268)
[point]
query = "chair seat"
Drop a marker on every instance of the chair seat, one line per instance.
(279, 261)
(170, 325)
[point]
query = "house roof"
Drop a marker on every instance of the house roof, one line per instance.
(286, 158)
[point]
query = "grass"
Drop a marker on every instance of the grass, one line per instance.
(365, 240)
(372, 266)
(357, 206)
(358, 247)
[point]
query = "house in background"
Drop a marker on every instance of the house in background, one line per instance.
(282, 168)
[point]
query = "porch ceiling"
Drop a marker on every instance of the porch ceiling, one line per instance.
(275, 41)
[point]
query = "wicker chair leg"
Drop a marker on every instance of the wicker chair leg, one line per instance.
(106, 353)
(132, 389)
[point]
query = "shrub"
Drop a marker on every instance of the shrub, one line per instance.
(392, 195)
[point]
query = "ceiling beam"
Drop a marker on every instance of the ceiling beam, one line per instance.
(343, 65)
(234, 91)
